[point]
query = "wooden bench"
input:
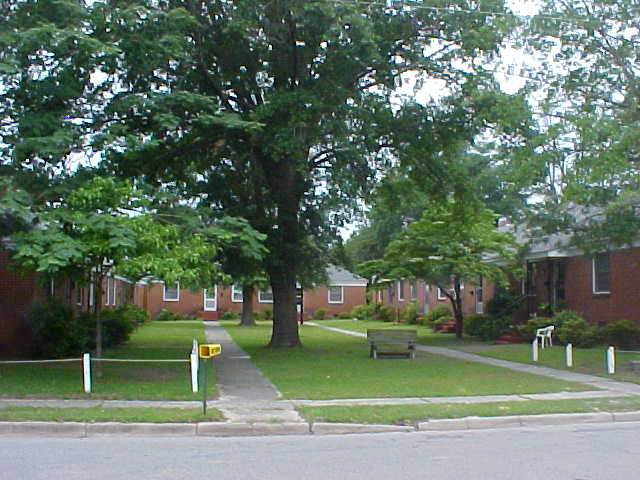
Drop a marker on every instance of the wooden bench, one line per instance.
(392, 341)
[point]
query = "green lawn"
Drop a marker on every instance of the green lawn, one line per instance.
(141, 381)
(335, 365)
(101, 414)
(408, 414)
(591, 361)
(426, 335)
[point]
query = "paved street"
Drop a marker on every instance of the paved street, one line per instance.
(586, 452)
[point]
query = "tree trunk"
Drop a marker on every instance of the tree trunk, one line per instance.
(285, 325)
(246, 319)
(457, 308)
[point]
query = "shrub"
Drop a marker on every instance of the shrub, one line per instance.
(561, 317)
(579, 333)
(365, 312)
(265, 315)
(437, 315)
(344, 315)
(623, 334)
(385, 313)
(117, 327)
(504, 303)
(136, 315)
(319, 314)
(57, 332)
(486, 327)
(165, 315)
(410, 313)
(229, 315)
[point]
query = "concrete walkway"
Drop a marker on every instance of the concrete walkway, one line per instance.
(253, 406)
(246, 395)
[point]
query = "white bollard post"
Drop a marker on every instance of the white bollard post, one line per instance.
(611, 361)
(568, 353)
(534, 348)
(194, 372)
(194, 348)
(86, 369)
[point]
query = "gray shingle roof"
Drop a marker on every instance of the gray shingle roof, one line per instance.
(340, 276)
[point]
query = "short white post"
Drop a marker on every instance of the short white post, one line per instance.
(534, 348)
(611, 360)
(194, 348)
(194, 371)
(86, 369)
(568, 354)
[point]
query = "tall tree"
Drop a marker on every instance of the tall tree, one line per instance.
(453, 241)
(587, 150)
(297, 96)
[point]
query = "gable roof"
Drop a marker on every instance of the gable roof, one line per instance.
(339, 276)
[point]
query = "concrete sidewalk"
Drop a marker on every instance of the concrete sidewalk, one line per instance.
(253, 406)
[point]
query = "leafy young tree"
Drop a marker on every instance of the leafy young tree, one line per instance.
(453, 241)
(588, 144)
(294, 97)
(102, 229)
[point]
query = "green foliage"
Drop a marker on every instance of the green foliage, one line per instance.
(385, 313)
(344, 315)
(166, 315)
(505, 302)
(563, 316)
(528, 331)
(486, 327)
(365, 312)
(135, 315)
(623, 334)
(117, 326)
(264, 315)
(230, 316)
(57, 332)
(319, 314)
(436, 315)
(410, 313)
(578, 332)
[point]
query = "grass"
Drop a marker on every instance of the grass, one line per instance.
(126, 381)
(101, 414)
(590, 361)
(426, 336)
(410, 414)
(334, 365)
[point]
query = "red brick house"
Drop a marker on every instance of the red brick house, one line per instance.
(343, 291)
(398, 294)
(603, 288)
(20, 290)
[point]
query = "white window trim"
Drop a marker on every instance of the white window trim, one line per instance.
(341, 294)
(204, 299)
(440, 295)
(91, 293)
(234, 290)
(79, 295)
(164, 293)
(413, 290)
(593, 278)
(400, 291)
(260, 292)
(111, 292)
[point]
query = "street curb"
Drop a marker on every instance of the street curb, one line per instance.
(226, 429)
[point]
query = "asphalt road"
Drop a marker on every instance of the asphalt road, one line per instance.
(580, 452)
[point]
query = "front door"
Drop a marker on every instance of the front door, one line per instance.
(211, 299)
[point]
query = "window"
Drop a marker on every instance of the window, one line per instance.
(79, 294)
(413, 288)
(380, 296)
(110, 298)
(336, 295)
(171, 293)
(210, 300)
(441, 295)
(601, 273)
(401, 290)
(236, 293)
(265, 296)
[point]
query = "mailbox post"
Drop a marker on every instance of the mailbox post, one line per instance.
(207, 351)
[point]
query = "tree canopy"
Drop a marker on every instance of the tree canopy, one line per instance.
(286, 109)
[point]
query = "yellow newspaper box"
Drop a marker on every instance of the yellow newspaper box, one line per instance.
(209, 350)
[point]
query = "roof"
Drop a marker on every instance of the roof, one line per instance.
(339, 276)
